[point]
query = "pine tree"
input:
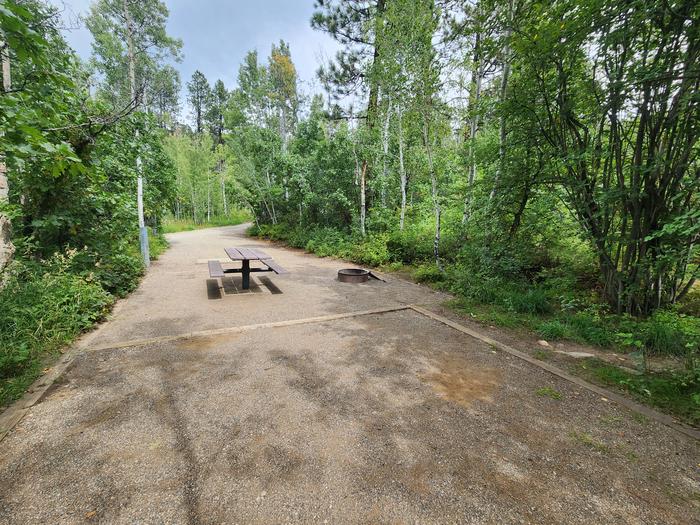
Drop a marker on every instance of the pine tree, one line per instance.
(198, 95)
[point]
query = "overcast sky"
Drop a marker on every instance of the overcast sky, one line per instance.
(218, 33)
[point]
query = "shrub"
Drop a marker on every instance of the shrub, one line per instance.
(553, 330)
(530, 301)
(327, 242)
(410, 246)
(157, 244)
(42, 307)
(669, 333)
(592, 329)
(117, 269)
(372, 251)
(429, 273)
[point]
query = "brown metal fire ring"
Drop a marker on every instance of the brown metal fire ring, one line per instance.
(353, 275)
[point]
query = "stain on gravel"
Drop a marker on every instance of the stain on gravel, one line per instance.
(462, 383)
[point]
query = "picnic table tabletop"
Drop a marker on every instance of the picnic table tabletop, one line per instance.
(246, 254)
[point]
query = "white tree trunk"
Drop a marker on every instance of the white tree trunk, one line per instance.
(194, 201)
(143, 231)
(402, 172)
(272, 200)
(385, 151)
(363, 198)
(434, 191)
(7, 249)
(208, 197)
(223, 188)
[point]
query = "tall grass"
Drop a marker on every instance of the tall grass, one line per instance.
(42, 308)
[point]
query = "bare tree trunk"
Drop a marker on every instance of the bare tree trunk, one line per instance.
(363, 197)
(385, 151)
(143, 231)
(357, 163)
(7, 249)
(402, 172)
(285, 140)
(194, 206)
(503, 91)
(474, 99)
(272, 200)
(223, 193)
(208, 196)
(434, 192)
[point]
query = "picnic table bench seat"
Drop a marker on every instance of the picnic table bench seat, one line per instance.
(215, 269)
(272, 265)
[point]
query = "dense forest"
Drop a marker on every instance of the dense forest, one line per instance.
(537, 159)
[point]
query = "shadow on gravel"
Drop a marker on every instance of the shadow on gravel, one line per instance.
(213, 291)
(267, 282)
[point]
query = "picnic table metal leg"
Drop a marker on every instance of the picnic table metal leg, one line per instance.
(246, 274)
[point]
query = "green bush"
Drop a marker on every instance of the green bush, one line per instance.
(329, 242)
(157, 245)
(675, 392)
(429, 273)
(592, 329)
(371, 251)
(476, 287)
(532, 301)
(553, 330)
(410, 246)
(117, 269)
(670, 333)
(42, 308)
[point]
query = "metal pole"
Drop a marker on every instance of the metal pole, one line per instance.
(143, 231)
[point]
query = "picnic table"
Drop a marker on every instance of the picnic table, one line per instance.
(245, 255)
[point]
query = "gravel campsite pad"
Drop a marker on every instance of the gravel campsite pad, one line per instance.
(381, 418)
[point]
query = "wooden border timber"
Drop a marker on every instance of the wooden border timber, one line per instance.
(17, 410)
(247, 328)
(608, 394)
(14, 414)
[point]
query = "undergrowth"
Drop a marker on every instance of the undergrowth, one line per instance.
(46, 304)
(675, 392)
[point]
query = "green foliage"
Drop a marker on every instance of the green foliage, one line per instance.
(157, 244)
(113, 32)
(43, 306)
(675, 392)
(325, 242)
(428, 273)
(530, 301)
(667, 332)
(371, 251)
(548, 392)
(71, 165)
(173, 225)
(553, 330)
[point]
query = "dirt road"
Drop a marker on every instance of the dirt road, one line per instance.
(386, 417)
